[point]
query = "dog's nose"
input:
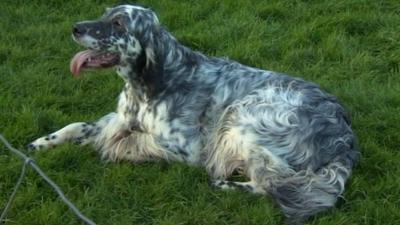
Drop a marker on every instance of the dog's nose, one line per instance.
(78, 30)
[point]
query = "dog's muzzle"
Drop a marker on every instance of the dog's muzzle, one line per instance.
(91, 58)
(79, 30)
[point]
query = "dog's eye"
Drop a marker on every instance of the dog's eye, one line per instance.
(117, 22)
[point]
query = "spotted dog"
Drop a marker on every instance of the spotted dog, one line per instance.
(291, 140)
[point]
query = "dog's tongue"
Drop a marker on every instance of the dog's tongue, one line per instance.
(78, 60)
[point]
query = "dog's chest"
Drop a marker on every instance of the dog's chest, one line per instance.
(180, 136)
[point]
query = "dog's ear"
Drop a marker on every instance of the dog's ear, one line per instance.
(149, 52)
(149, 45)
(148, 30)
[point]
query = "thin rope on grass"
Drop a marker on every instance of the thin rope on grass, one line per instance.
(30, 162)
(20, 179)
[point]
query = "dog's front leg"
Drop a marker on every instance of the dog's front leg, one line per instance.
(80, 133)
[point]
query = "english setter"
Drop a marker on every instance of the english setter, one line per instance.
(291, 139)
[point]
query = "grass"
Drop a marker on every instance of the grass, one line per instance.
(351, 48)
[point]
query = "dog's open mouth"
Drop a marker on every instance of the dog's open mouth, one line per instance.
(92, 59)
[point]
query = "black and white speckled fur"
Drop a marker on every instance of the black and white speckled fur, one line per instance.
(290, 138)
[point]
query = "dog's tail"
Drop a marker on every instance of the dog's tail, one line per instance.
(305, 193)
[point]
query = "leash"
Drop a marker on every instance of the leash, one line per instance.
(30, 162)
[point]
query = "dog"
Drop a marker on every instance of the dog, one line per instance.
(292, 140)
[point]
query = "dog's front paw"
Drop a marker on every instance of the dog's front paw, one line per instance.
(41, 143)
(222, 184)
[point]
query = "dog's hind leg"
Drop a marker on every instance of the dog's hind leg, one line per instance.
(80, 133)
(262, 168)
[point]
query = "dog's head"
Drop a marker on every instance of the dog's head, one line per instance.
(119, 37)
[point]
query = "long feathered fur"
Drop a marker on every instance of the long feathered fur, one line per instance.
(290, 138)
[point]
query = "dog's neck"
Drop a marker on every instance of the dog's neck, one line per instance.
(174, 55)
(173, 62)
(170, 60)
(135, 86)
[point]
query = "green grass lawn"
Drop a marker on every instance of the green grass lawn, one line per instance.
(351, 48)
